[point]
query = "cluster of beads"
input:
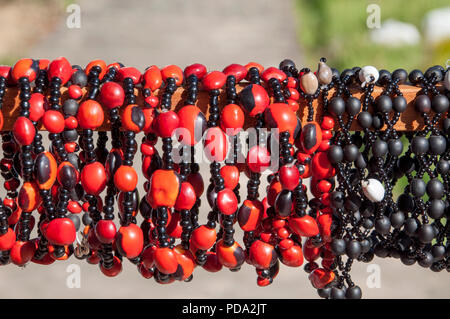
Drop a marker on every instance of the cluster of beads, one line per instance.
(336, 195)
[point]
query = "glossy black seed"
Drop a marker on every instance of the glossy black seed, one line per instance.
(383, 104)
(440, 103)
(79, 78)
(406, 260)
(411, 226)
(437, 71)
(337, 199)
(438, 144)
(380, 148)
(381, 251)
(324, 292)
(435, 188)
(437, 208)
(422, 103)
(418, 187)
(353, 106)
(352, 202)
(353, 293)
(367, 223)
(438, 251)
(70, 107)
(406, 164)
(76, 220)
(335, 154)
(353, 249)
(399, 104)
(86, 219)
(286, 64)
(338, 246)
(420, 145)
(337, 293)
(337, 106)
(377, 121)
(382, 225)
(443, 166)
(415, 76)
(365, 119)
(360, 162)
(425, 233)
(397, 219)
(427, 260)
(405, 203)
(395, 147)
(367, 208)
(401, 75)
(351, 153)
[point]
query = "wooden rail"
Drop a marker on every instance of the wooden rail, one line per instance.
(410, 120)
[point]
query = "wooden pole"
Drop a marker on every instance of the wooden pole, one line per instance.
(410, 120)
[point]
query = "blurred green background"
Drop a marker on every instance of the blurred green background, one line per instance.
(338, 30)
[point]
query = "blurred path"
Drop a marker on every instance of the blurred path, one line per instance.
(141, 33)
(216, 33)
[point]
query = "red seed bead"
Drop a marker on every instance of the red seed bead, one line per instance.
(216, 144)
(90, 115)
(186, 199)
(232, 119)
(166, 123)
(38, 105)
(114, 270)
(166, 260)
(324, 146)
(130, 72)
(212, 263)
(203, 237)
(22, 252)
(174, 228)
(105, 230)
(60, 68)
(327, 134)
(230, 174)
(192, 124)
(185, 261)
(262, 255)
(53, 121)
(74, 207)
(325, 221)
(93, 178)
(75, 92)
(324, 186)
(250, 65)
(23, 131)
(7, 240)
(227, 202)
(273, 73)
(292, 257)
(254, 99)
(320, 277)
(196, 180)
(45, 170)
(99, 63)
(133, 118)
(148, 256)
(304, 226)
(293, 105)
(285, 244)
(327, 123)
(197, 69)
(25, 68)
(230, 256)
(60, 231)
(152, 101)
(28, 198)
(125, 178)
(321, 166)
(273, 190)
(152, 78)
(149, 118)
(311, 253)
(258, 159)
(112, 95)
(281, 116)
(236, 70)
(71, 122)
(164, 188)
(214, 80)
(289, 176)
(130, 241)
(173, 71)
(5, 71)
